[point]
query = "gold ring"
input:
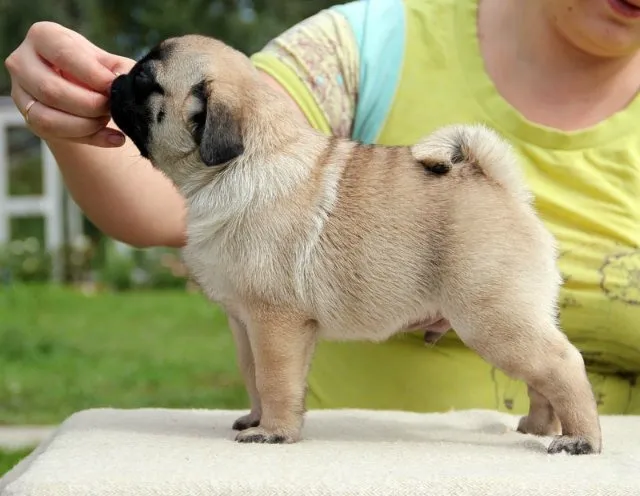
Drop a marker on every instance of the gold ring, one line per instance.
(27, 109)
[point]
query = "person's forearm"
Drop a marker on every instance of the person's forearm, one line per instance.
(122, 194)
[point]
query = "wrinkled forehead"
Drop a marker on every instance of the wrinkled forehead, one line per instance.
(175, 65)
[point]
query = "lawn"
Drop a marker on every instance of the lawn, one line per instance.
(9, 458)
(63, 351)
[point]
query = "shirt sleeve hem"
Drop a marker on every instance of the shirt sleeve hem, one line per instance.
(288, 79)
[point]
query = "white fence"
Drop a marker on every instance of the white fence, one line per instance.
(62, 217)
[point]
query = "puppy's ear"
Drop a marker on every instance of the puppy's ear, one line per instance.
(218, 132)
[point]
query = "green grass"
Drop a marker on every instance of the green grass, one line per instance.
(10, 458)
(62, 351)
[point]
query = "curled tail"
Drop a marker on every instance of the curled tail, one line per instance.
(474, 146)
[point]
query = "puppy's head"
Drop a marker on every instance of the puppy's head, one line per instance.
(185, 103)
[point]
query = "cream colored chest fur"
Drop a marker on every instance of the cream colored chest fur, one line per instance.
(232, 262)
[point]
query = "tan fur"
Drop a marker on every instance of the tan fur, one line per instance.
(305, 237)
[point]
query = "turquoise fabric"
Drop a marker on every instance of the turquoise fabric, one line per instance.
(379, 28)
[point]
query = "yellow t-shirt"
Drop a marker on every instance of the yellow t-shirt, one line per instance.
(586, 184)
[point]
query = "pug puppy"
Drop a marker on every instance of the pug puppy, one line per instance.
(301, 236)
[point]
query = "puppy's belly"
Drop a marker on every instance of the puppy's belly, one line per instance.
(375, 326)
(371, 333)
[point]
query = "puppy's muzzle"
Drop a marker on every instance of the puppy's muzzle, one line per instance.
(129, 106)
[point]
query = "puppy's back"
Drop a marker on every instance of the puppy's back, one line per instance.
(406, 220)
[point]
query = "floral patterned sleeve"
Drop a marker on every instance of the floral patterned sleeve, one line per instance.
(316, 61)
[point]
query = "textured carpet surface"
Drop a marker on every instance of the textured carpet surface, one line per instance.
(145, 452)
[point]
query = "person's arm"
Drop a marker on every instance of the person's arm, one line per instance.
(122, 194)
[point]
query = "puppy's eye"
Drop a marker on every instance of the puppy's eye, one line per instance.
(160, 116)
(146, 85)
(198, 120)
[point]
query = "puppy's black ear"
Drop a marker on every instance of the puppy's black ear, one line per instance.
(221, 139)
(218, 132)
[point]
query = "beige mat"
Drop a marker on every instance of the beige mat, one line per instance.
(153, 452)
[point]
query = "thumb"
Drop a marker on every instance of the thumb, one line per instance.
(107, 137)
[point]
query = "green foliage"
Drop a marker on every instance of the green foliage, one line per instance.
(24, 260)
(96, 262)
(157, 268)
(117, 271)
(127, 27)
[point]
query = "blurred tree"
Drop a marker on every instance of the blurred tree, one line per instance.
(128, 27)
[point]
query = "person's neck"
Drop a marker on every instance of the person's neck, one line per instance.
(545, 76)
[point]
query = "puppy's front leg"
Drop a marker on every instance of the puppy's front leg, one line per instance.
(542, 419)
(282, 344)
(247, 368)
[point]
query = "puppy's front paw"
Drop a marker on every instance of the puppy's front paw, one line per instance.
(574, 445)
(247, 421)
(261, 435)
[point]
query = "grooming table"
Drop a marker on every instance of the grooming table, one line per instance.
(145, 452)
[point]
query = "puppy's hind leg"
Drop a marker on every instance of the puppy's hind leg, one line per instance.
(283, 345)
(247, 369)
(529, 346)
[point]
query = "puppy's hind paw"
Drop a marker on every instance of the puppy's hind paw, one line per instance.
(246, 421)
(574, 445)
(260, 435)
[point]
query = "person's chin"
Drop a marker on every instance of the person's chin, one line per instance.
(605, 37)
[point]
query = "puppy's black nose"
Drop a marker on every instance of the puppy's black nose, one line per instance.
(116, 85)
(129, 106)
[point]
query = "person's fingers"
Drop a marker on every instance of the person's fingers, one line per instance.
(53, 90)
(64, 81)
(115, 63)
(71, 53)
(50, 123)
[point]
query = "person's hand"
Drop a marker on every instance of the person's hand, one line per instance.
(60, 82)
